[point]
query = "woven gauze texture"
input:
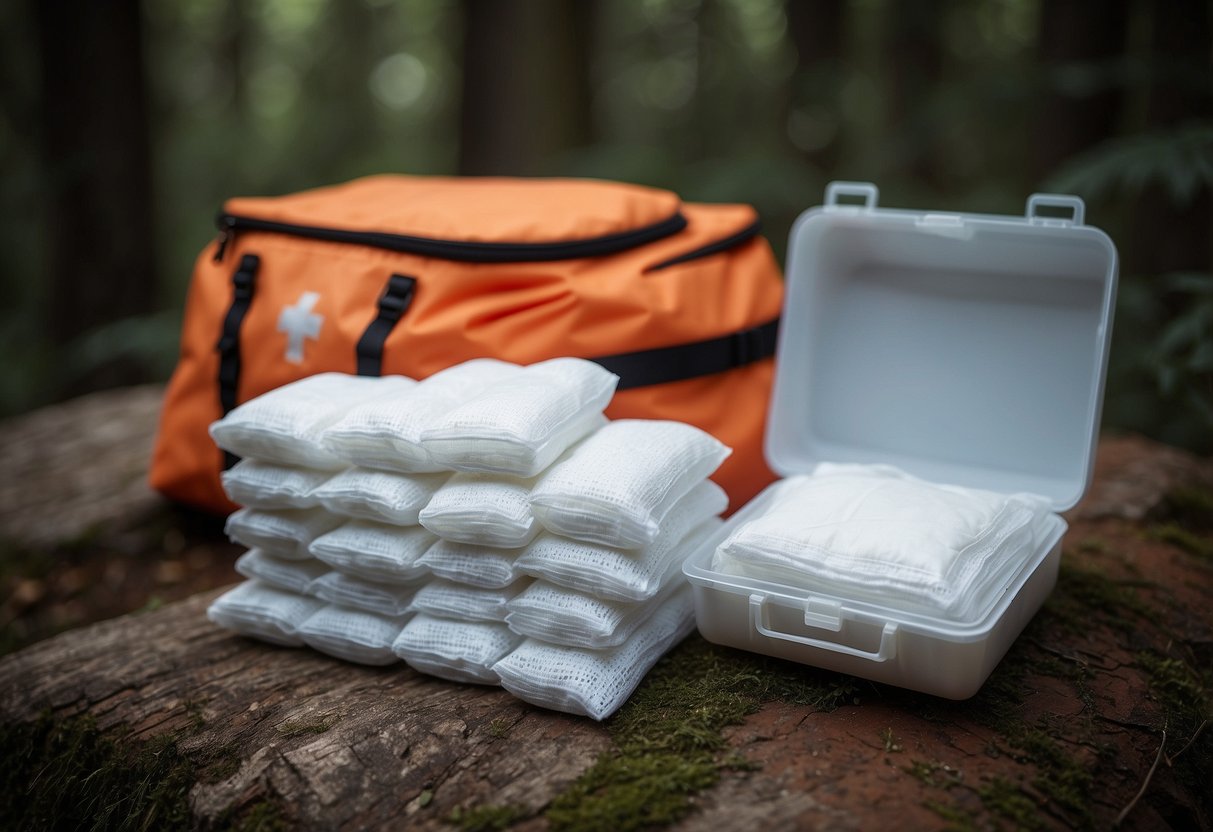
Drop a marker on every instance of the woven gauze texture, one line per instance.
(386, 496)
(565, 616)
(482, 566)
(595, 683)
(484, 509)
(616, 487)
(289, 575)
(353, 635)
(383, 599)
(375, 551)
(521, 425)
(447, 599)
(385, 432)
(285, 425)
(462, 651)
(257, 484)
(283, 533)
(260, 611)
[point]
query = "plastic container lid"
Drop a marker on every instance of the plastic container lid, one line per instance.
(968, 349)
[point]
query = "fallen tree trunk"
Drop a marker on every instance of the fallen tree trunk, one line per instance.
(1104, 696)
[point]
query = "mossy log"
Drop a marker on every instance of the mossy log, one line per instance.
(1099, 710)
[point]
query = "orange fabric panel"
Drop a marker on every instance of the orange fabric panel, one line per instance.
(518, 311)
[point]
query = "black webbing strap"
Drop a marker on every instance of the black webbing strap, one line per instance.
(698, 358)
(393, 303)
(229, 340)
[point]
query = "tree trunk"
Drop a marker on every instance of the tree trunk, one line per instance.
(98, 229)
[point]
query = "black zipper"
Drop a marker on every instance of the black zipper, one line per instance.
(469, 252)
(715, 247)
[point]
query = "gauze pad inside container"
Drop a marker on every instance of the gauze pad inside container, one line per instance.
(564, 616)
(262, 612)
(285, 425)
(353, 635)
(447, 599)
(625, 574)
(520, 425)
(255, 484)
(385, 432)
(616, 487)
(483, 509)
(877, 534)
(595, 683)
(382, 599)
(375, 551)
(289, 575)
(462, 651)
(481, 566)
(385, 496)
(284, 533)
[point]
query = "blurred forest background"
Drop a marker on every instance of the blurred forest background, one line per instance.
(125, 125)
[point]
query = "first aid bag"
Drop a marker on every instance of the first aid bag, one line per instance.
(407, 276)
(937, 399)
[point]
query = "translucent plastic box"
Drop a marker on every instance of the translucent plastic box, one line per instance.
(966, 349)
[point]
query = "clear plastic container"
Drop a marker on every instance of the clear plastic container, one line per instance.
(967, 349)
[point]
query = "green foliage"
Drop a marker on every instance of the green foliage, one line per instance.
(487, 818)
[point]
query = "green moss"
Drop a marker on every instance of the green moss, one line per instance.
(219, 764)
(633, 791)
(1003, 798)
(1082, 596)
(956, 819)
(67, 774)
(486, 818)
(1194, 544)
(499, 728)
(934, 774)
(1189, 507)
(305, 727)
(265, 816)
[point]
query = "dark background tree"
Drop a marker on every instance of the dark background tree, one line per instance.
(124, 125)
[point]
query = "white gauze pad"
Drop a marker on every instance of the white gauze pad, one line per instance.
(285, 425)
(255, 484)
(627, 574)
(519, 426)
(564, 616)
(353, 635)
(387, 600)
(484, 509)
(375, 551)
(595, 683)
(486, 567)
(618, 485)
(385, 432)
(462, 651)
(284, 533)
(447, 599)
(289, 575)
(385, 496)
(262, 612)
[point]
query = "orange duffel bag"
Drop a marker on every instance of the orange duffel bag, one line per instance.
(410, 275)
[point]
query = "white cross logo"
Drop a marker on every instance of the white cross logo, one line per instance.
(300, 322)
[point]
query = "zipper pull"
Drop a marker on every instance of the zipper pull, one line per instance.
(227, 231)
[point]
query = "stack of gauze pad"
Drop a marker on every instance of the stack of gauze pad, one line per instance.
(874, 533)
(486, 525)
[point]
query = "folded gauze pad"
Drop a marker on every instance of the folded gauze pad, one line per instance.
(284, 533)
(623, 574)
(379, 495)
(255, 484)
(462, 651)
(520, 425)
(375, 551)
(564, 616)
(595, 683)
(486, 567)
(385, 432)
(262, 612)
(877, 534)
(285, 425)
(382, 599)
(353, 635)
(291, 575)
(485, 509)
(447, 599)
(616, 487)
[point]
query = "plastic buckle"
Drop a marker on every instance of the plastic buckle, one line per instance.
(1065, 201)
(866, 191)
